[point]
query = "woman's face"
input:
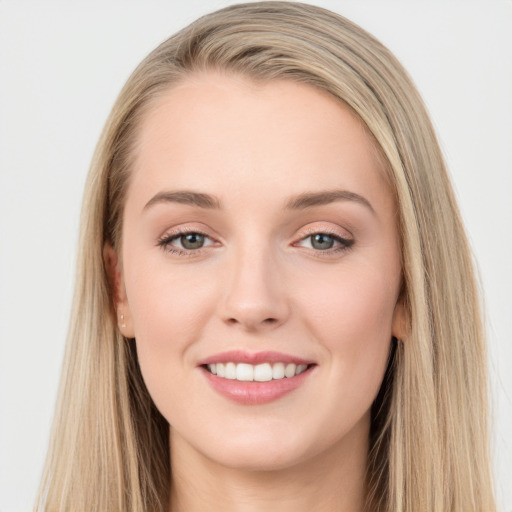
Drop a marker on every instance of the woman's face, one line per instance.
(259, 236)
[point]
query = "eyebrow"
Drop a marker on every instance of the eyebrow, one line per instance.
(310, 199)
(299, 202)
(185, 197)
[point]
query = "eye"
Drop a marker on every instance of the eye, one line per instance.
(192, 240)
(321, 241)
(325, 242)
(185, 242)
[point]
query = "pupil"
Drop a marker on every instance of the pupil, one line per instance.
(192, 241)
(322, 242)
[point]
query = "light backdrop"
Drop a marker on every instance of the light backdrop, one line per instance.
(62, 64)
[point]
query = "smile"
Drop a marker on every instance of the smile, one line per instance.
(264, 372)
(255, 378)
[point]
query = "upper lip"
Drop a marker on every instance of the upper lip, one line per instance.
(242, 356)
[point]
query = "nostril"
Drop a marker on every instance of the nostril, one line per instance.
(253, 324)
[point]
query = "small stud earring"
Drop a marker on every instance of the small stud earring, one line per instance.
(122, 320)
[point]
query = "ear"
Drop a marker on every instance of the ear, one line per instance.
(118, 291)
(399, 323)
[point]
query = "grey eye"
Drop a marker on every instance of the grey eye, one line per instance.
(321, 241)
(192, 241)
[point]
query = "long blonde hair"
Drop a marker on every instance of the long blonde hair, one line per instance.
(429, 436)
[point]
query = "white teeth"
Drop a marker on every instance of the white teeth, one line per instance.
(244, 372)
(260, 373)
(231, 371)
(263, 372)
(300, 368)
(278, 371)
(289, 371)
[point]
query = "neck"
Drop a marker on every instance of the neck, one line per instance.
(327, 482)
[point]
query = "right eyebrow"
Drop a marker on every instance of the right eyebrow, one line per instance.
(185, 197)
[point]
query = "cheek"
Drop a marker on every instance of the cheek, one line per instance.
(352, 316)
(168, 309)
(353, 305)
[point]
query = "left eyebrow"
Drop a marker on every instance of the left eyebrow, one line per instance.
(310, 199)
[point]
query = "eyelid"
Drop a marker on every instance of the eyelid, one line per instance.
(164, 241)
(344, 243)
(327, 230)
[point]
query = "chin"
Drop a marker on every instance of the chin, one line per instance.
(257, 458)
(266, 450)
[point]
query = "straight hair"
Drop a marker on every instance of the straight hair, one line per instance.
(429, 451)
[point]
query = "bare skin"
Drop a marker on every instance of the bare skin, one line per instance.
(325, 483)
(222, 251)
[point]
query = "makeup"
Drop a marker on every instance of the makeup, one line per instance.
(255, 378)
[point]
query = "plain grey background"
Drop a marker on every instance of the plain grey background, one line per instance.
(62, 63)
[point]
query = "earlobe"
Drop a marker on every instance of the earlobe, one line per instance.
(118, 291)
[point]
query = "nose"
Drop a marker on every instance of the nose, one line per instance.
(255, 295)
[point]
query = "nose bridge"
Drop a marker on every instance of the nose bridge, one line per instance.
(255, 295)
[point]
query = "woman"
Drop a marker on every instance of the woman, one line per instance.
(275, 295)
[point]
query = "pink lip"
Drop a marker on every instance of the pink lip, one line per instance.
(255, 393)
(241, 356)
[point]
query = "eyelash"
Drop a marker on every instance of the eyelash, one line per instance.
(165, 243)
(345, 243)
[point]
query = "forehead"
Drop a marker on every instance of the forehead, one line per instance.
(224, 131)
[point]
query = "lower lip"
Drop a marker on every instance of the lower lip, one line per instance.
(255, 393)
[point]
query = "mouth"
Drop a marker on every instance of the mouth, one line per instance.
(264, 372)
(252, 379)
